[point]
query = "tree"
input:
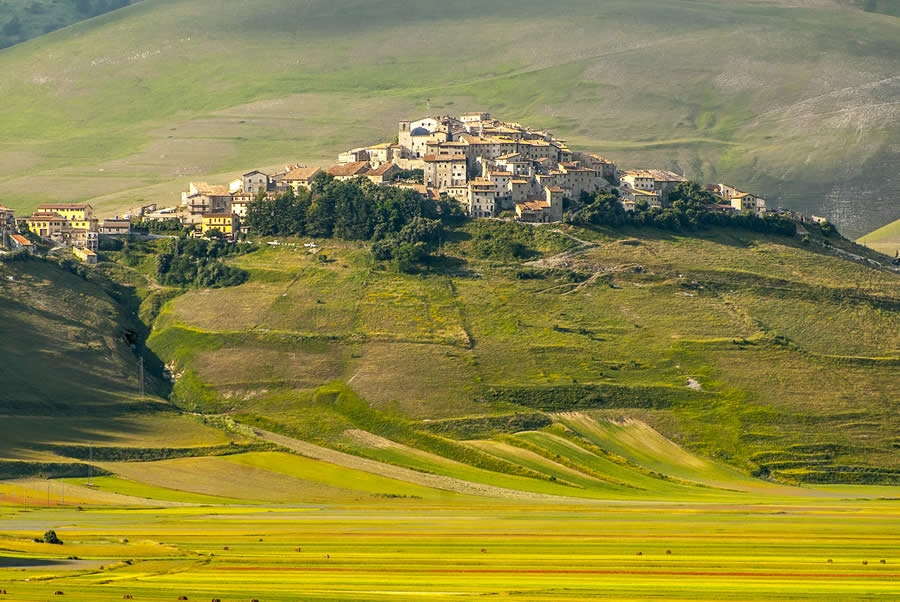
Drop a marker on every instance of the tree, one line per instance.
(50, 537)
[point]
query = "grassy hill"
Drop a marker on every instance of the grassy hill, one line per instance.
(601, 364)
(884, 240)
(795, 100)
(773, 355)
(22, 20)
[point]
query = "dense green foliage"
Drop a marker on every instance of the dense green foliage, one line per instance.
(513, 242)
(403, 225)
(196, 262)
(691, 210)
(47, 470)
(487, 426)
(580, 397)
(165, 226)
(409, 175)
(145, 454)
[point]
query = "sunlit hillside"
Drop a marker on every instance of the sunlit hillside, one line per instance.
(796, 100)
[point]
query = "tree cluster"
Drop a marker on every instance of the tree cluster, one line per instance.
(167, 226)
(414, 175)
(690, 211)
(195, 262)
(402, 225)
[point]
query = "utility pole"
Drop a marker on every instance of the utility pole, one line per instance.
(63, 503)
(142, 378)
(48, 492)
(90, 463)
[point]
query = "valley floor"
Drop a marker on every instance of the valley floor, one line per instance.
(810, 549)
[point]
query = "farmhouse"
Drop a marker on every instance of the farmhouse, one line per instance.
(201, 198)
(254, 181)
(86, 255)
(348, 170)
(17, 241)
(226, 223)
(298, 177)
(382, 174)
(115, 227)
(741, 201)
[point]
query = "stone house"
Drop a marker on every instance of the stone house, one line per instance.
(254, 181)
(443, 171)
(348, 170)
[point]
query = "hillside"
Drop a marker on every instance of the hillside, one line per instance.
(22, 20)
(796, 100)
(775, 356)
(884, 240)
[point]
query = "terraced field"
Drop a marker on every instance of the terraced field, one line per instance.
(681, 333)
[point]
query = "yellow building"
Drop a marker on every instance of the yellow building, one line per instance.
(78, 212)
(85, 255)
(45, 224)
(226, 223)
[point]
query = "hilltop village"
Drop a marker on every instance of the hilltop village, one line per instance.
(492, 168)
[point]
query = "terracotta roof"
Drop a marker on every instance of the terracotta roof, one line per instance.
(533, 205)
(114, 222)
(250, 173)
(46, 217)
(206, 215)
(21, 240)
(348, 169)
(420, 188)
(436, 158)
(380, 170)
(301, 173)
(42, 208)
(556, 189)
(659, 175)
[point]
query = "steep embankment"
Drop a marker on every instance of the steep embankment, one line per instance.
(795, 100)
(776, 355)
(66, 341)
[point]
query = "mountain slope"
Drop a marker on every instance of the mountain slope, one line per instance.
(22, 20)
(885, 239)
(794, 101)
(777, 355)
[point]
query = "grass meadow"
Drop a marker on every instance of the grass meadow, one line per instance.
(793, 102)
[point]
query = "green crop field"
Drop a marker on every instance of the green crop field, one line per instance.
(794, 100)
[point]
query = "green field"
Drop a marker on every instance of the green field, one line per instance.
(807, 548)
(794, 100)
(884, 240)
(770, 333)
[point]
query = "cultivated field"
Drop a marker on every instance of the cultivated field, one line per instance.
(806, 549)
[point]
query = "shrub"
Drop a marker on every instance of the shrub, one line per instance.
(50, 537)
